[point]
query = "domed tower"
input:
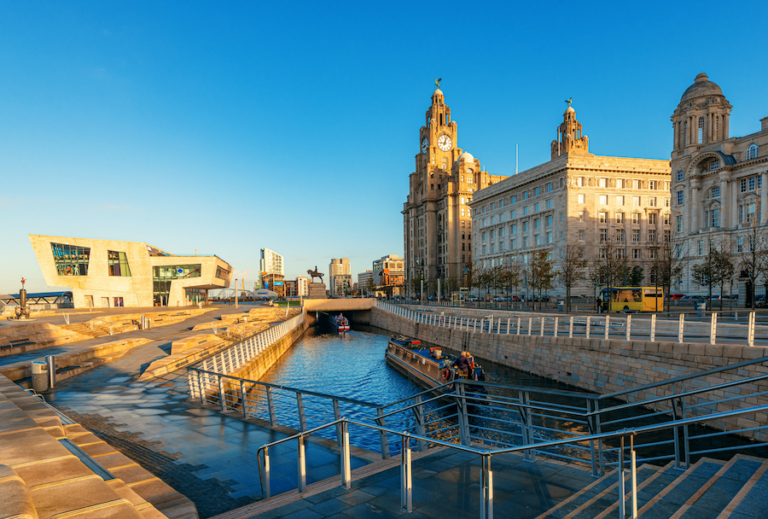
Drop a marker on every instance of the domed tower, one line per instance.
(701, 118)
(569, 137)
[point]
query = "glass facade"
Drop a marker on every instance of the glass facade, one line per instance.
(71, 260)
(118, 264)
(163, 275)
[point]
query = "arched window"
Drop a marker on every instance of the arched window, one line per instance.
(752, 152)
(680, 176)
(701, 130)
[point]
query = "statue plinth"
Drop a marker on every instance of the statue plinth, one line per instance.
(316, 291)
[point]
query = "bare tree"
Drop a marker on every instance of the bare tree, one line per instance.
(667, 266)
(541, 272)
(754, 261)
(571, 270)
(610, 266)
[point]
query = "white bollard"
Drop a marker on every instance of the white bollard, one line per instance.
(556, 322)
(653, 327)
(542, 327)
(607, 318)
(680, 328)
(518, 325)
(587, 332)
(508, 325)
(570, 328)
(629, 327)
(713, 329)
(751, 330)
(530, 324)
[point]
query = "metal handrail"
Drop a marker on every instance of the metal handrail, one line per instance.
(486, 484)
(686, 377)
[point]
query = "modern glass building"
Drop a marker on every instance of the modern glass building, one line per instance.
(106, 273)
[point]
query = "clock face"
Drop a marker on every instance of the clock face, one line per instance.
(424, 146)
(444, 143)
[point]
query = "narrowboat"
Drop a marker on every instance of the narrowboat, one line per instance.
(339, 323)
(428, 366)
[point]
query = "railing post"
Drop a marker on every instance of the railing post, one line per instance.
(508, 325)
(300, 407)
(653, 327)
(541, 333)
(751, 331)
(265, 472)
(406, 489)
(620, 471)
(202, 389)
(222, 395)
(590, 422)
(420, 430)
(518, 325)
(271, 407)
(557, 322)
(633, 469)
(526, 399)
(598, 430)
(243, 399)
(713, 329)
(486, 488)
(629, 327)
(474, 329)
(587, 329)
(680, 328)
(570, 328)
(346, 471)
(530, 324)
(337, 416)
(382, 435)
(302, 465)
(605, 332)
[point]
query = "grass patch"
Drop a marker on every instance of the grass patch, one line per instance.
(288, 303)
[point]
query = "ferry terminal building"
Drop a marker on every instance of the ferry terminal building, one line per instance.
(107, 273)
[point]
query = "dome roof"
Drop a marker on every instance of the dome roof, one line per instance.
(466, 157)
(702, 86)
(570, 109)
(437, 92)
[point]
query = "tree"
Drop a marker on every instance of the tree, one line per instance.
(754, 261)
(541, 272)
(667, 266)
(636, 276)
(512, 276)
(724, 267)
(609, 268)
(370, 287)
(571, 270)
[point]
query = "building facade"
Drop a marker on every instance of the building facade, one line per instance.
(341, 285)
(339, 267)
(302, 288)
(364, 280)
(577, 199)
(271, 263)
(275, 283)
(437, 226)
(107, 273)
(719, 182)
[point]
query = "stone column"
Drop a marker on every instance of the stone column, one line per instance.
(694, 206)
(764, 200)
(734, 202)
(725, 220)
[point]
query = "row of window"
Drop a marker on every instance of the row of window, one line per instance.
(602, 217)
(637, 201)
(513, 213)
(620, 236)
(71, 260)
(537, 242)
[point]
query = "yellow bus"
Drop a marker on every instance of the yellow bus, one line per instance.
(633, 299)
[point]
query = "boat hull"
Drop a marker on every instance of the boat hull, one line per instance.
(422, 370)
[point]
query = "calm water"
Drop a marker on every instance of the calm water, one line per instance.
(354, 366)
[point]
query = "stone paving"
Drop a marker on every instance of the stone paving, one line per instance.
(446, 485)
(207, 456)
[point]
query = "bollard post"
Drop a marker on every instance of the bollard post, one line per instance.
(605, 332)
(587, 332)
(629, 327)
(51, 361)
(653, 328)
(680, 328)
(570, 328)
(556, 325)
(713, 329)
(750, 334)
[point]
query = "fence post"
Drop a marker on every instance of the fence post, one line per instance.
(382, 435)
(508, 325)
(557, 319)
(302, 468)
(346, 470)
(242, 398)
(222, 396)
(518, 325)
(587, 332)
(271, 407)
(570, 328)
(530, 324)
(620, 472)
(486, 488)
(528, 425)
(482, 325)
(419, 411)
(337, 416)
(605, 332)
(541, 334)
(265, 471)
(680, 328)
(653, 327)
(713, 329)
(633, 470)
(629, 327)
(202, 389)
(751, 331)
(406, 489)
(302, 418)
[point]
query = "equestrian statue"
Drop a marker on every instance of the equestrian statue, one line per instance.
(315, 274)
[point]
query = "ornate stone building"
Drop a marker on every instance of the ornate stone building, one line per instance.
(437, 224)
(718, 181)
(576, 198)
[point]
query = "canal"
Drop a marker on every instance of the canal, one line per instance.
(353, 366)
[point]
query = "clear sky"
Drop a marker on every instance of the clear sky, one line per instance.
(226, 127)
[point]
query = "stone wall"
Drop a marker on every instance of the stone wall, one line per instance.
(603, 366)
(256, 368)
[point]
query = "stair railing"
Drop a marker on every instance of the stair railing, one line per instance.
(486, 474)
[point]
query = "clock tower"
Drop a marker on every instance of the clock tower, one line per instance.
(436, 218)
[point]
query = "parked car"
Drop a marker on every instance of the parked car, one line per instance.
(675, 297)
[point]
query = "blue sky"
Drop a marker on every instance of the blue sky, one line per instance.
(226, 127)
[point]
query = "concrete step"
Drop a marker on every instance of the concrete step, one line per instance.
(646, 490)
(580, 498)
(669, 500)
(608, 500)
(751, 499)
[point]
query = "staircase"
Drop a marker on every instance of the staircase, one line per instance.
(710, 489)
(99, 329)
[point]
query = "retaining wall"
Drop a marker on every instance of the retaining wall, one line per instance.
(604, 366)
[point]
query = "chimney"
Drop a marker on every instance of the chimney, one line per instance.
(764, 126)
